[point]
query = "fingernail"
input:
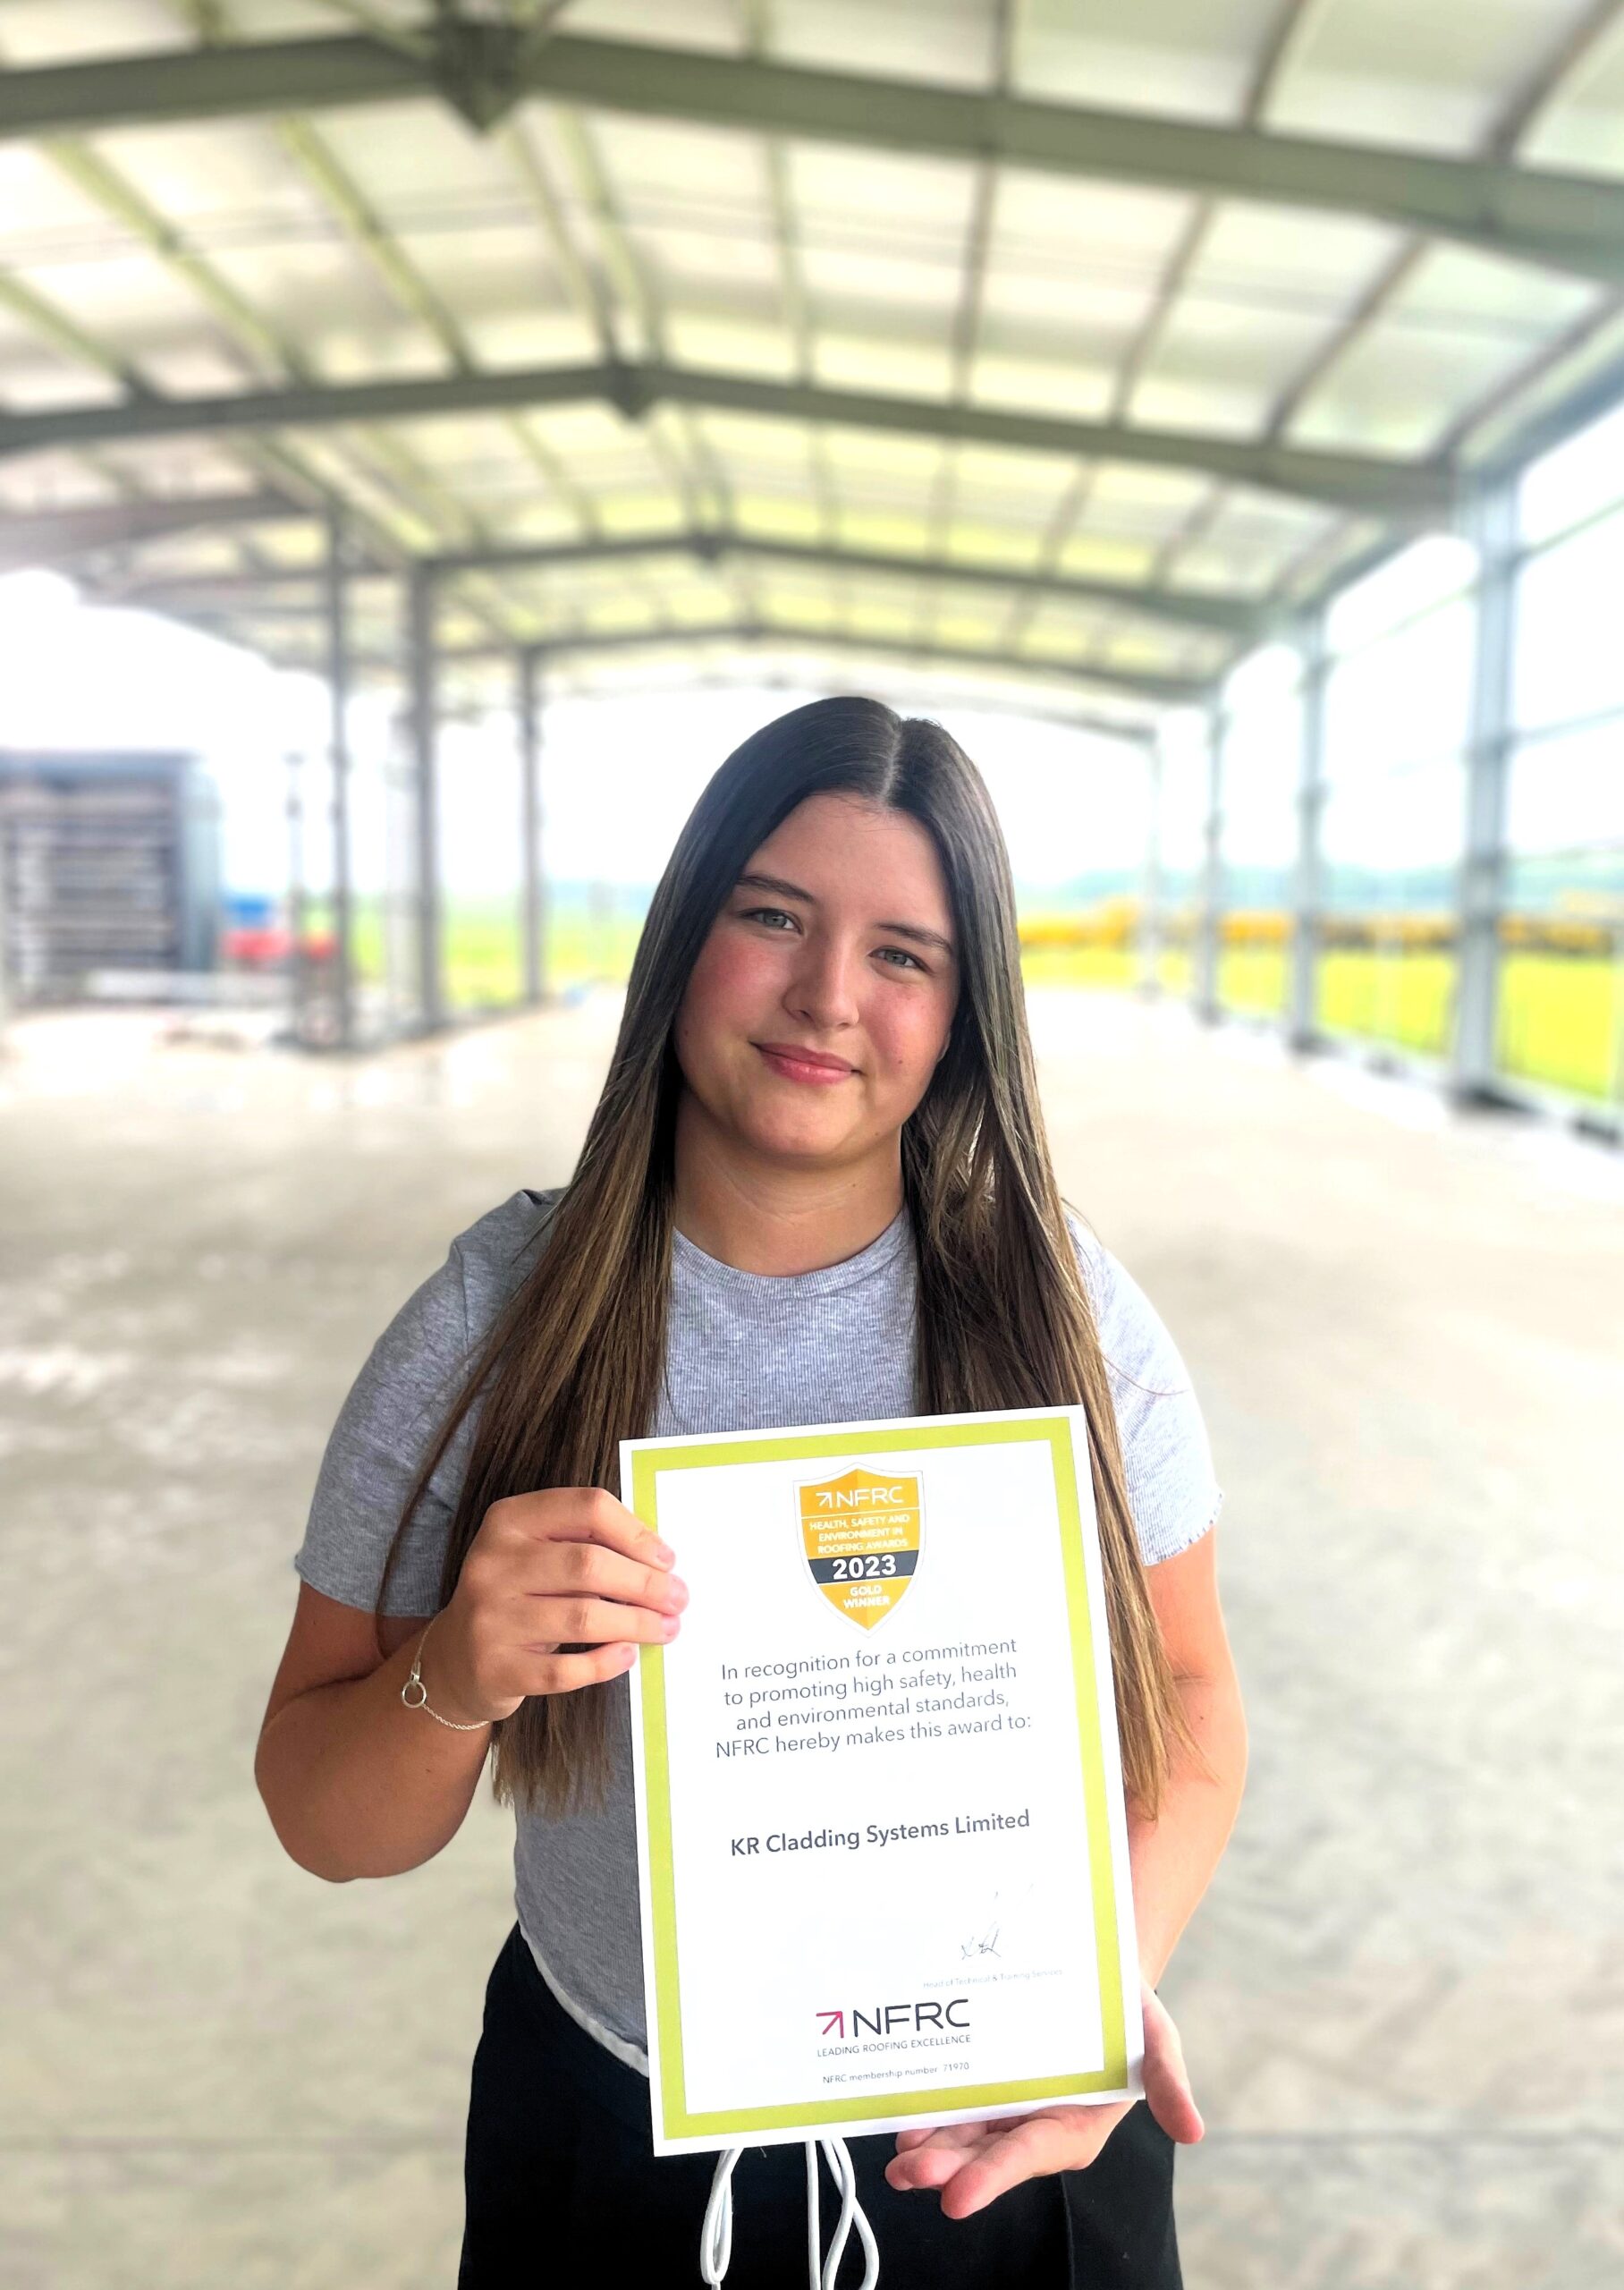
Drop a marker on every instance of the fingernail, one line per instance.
(664, 1550)
(670, 1626)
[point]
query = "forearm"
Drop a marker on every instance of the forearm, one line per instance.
(357, 1785)
(1172, 1858)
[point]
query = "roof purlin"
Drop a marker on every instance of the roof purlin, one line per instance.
(1415, 491)
(1192, 613)
(1556, 221)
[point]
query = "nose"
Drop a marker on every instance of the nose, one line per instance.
(822, 989)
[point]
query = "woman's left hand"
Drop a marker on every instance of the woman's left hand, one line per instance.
(973, 2163)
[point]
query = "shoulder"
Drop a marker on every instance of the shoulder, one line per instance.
(393, 1409)
(434, 1330)
(508, 1229)
(496, 1250)
(1133, 1336)
(1166, 1452)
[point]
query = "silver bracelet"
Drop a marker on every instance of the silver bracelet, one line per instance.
(422, 1701)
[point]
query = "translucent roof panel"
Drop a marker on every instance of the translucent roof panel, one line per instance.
(1060, 341)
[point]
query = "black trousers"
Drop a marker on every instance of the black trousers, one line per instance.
(563, 2185)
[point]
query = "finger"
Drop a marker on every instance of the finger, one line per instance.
(943, 2133)
(1168, 2094)
(564, 1673)
(934, 2155)
(1167, 2090)
(1041, 2145)
(588, 1570)
(591, 1515)
(552, 1624)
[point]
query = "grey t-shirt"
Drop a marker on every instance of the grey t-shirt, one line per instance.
(745, 1351)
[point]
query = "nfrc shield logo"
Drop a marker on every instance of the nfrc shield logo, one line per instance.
(860, 1535)
(894, 2019)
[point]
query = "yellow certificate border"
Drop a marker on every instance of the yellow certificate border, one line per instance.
(648, 1464)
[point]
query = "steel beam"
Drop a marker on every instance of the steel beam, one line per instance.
(1152, 691)
(1279, 47)
(1234, 617)
(1160, 691)
(224, 82)
(1500, 147)
(756, 25)
(1418, 492)
(60, 536)
(1190, 612)
(1568, 222)
(1596, 390)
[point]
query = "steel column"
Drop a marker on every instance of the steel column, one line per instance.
(421, 589)
(533, 880)
(293, 807)
(5, 989)
(1203, 969)
(1150, 910)
(337, 599)
(1493, 524)
(1308, 897)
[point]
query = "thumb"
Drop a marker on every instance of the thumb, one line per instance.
(1167, 2090)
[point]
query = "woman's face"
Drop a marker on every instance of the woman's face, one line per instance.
(838, 939)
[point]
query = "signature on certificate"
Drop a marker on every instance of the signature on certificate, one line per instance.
(993, 1931)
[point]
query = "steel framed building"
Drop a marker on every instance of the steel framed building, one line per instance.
(1178, 361)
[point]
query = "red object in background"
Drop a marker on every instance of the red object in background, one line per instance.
(255, 946)
(264, 946)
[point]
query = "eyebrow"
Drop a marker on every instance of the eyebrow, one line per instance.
(914, 930)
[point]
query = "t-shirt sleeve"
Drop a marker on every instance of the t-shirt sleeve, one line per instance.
(1167, 1460)
(385, 1428)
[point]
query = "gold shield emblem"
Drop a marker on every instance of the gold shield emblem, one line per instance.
(860, 1533)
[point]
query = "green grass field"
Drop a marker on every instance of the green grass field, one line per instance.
(483, 964)
(1561, 1017)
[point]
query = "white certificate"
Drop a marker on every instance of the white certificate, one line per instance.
(880, 1833)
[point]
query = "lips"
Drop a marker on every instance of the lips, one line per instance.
(788, 1058)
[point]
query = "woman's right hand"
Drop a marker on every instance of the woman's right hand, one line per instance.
(566, 1565)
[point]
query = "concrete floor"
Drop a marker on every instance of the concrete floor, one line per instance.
(1403, 1998)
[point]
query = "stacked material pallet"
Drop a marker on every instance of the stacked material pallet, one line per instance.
(107, 863)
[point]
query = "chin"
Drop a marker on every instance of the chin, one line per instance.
(794, 1140)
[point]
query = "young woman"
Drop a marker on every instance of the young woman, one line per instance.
(816, 1188)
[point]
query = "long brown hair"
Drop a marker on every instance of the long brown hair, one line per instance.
(573, 1361)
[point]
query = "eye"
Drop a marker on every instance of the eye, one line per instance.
(756, 913)
(907, 957)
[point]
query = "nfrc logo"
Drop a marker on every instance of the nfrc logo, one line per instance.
(889, 2019)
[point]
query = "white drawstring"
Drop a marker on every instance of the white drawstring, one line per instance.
(716, 2235)
(838, 2156)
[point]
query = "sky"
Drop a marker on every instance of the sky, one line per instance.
(620, 774)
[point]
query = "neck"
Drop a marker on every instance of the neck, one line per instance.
(765, 1216)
